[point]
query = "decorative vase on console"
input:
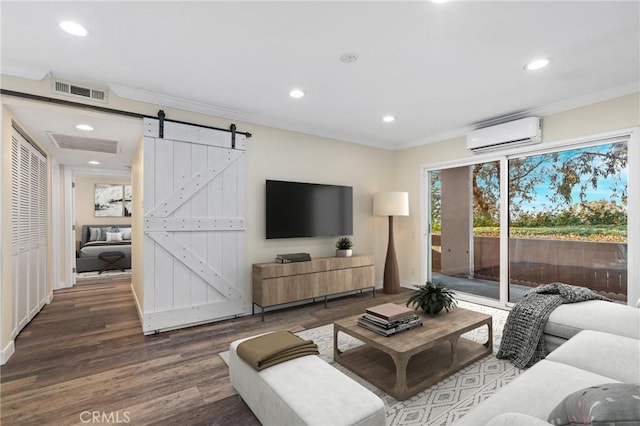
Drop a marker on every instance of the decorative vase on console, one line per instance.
(343, 246)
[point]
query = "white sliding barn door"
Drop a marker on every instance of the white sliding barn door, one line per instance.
(194, 208)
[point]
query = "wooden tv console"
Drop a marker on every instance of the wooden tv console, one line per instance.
(279, 283)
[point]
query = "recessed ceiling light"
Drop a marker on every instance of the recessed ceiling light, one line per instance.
(537, 64)
(439, 1)
(74, 28)
(84, 127)
(94, 162)
(296, 93)
(388, 118)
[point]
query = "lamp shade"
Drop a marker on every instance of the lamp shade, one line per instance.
(391, 204)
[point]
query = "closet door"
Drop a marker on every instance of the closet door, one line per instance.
(23, 276)
(28, 239)
(42, 232)
(16, 242)
(34, 269)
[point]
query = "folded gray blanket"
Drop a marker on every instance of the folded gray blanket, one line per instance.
(522, 341)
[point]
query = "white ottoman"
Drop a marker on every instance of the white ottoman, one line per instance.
(304, 391)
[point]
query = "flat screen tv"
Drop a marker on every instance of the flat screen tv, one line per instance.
(295, 210)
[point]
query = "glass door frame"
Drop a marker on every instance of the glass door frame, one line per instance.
(633, 207)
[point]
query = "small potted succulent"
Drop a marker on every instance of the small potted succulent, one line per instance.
(343, 246)
(432, 297)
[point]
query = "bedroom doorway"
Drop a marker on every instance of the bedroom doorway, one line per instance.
(102, 219)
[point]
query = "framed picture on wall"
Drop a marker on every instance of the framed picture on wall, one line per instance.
(108, 200)
(127, 200)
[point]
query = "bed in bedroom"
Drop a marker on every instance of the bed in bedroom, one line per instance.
(104, 247)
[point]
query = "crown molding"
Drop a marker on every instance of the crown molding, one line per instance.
(231, 114)
(24, 71)
(615, 92)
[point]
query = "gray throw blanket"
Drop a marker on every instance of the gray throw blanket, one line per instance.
(522, 341)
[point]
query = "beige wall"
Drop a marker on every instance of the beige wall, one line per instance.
(137, 235)
(65, 250)
(614, 114)
(283, 155)
(84, 202)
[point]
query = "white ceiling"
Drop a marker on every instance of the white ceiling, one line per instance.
(439, 68)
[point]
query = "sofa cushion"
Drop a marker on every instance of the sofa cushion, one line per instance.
(553, 342)
(535, 392)
(609, 403)
(570, 318)
(515, 419)
(601, 353)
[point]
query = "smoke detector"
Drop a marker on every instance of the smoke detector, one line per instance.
(347, 58)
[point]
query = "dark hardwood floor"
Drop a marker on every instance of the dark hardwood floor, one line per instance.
(85, 355)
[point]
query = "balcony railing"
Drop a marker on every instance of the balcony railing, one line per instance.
(599, 266)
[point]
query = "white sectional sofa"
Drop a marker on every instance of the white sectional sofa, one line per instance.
(594, 343)
(569, 319)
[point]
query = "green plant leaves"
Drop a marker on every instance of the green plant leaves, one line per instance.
(432, 298)
(344, 243)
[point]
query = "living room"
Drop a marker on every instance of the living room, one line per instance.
(292, 154)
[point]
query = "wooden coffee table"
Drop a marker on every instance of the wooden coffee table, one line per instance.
(406, 363)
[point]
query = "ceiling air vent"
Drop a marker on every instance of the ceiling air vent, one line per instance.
(78, 91)
(84, 144)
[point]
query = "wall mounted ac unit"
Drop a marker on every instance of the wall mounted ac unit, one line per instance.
(525, 131)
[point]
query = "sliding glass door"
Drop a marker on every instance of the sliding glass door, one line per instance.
(566, 221)
(465, 228)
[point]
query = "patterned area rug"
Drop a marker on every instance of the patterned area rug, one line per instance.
(445, 402)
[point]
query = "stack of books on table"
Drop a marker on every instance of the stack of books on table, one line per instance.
(389, 319)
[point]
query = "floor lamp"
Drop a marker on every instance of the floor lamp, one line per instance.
(391, 204)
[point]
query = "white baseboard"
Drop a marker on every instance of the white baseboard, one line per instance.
(7, 352)
(155, 322)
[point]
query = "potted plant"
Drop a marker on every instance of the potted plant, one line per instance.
(343, 246)
(432, 297)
